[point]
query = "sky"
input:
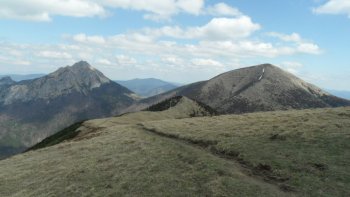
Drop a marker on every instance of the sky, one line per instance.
(181, 41)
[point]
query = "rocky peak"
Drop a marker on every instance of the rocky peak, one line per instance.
(82, 64)
(80, 78)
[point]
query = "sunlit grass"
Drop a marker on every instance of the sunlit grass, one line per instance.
(286, 153)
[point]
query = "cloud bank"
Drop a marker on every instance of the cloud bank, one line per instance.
(44, 10)
(334, 7)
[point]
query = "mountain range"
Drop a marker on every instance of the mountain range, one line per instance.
(258, 88)
(32, 110)
(22, 77)
(340, 93)
(148, 87)
(82, 134)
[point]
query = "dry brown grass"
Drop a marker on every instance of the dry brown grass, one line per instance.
(287, 153)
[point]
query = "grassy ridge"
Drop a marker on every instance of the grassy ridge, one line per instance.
(126, 162)
(286, 153)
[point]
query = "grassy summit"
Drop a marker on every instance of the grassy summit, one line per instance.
(285, 153)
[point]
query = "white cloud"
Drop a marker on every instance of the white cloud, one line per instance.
(227, 28)
(172, 60)
(193, 64)
(222, 9)
(334, 7)
(54, 55)
(89, 39)
(216, 29)
(22, 62)
(211, 46)
(198, 63)
(301, 45)
(42, 10)
(220, 37)
(205, 49)
(292, 67)
(104, 62)
(190, 6)
(294, 37)
(241, 49)
(125, 60)
(309, 48)
(156, 9)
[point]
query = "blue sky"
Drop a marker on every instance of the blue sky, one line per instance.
(178, 40)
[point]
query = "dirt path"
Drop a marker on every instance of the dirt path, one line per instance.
(258, 176)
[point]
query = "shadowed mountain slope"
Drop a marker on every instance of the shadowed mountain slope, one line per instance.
(258, 88)
(31, 110)
(173, 108)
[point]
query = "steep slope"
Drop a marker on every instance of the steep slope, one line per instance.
(34, 109)
(306, 154)
(258, 88)
(148, 87)
(173, 108)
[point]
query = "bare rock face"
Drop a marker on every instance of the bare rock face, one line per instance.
(80, 78)
(31, 110)
(258, 88)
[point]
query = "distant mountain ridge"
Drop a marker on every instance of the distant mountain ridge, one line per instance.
(31, 110)
(257, 88)
(148, 87)
(22, 77)
(6, 81)
(339, 93)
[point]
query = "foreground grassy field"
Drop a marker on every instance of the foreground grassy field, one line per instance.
(290, 153)
(306, 152)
